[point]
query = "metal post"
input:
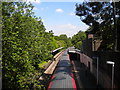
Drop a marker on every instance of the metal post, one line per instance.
(110, 62)
(97, 70)
(112, 76)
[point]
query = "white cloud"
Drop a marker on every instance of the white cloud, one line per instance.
(70, 26)
(40, 9)
(72, 14)
(59, 10)
(33, 1)
(68, 29)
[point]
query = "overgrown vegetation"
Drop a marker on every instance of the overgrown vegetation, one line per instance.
(25, 45)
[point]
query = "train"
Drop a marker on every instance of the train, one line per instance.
(63, 77)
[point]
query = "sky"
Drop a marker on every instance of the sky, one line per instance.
(59, 17)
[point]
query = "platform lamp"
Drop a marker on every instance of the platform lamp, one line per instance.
(112, 63)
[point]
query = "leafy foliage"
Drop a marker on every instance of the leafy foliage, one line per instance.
(63, 40)
(103, 18)
(25, 44)
(78, 38)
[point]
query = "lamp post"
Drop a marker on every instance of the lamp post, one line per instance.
(97, 67)
(112, 63)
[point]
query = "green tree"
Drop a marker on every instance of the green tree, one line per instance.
(78, 38)
(25, 44)
(101, 17)
(65, 39)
